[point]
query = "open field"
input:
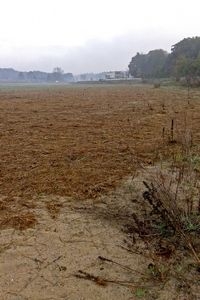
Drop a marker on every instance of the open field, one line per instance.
(66, 155)
(77, 141)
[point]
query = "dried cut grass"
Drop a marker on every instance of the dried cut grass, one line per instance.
(20, 221)
(54, 208)
(71, 141)
(3, 205)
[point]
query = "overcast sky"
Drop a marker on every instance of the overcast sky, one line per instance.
(90, 35)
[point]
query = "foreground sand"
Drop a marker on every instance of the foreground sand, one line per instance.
(40, 263)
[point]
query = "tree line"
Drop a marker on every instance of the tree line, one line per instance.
(58, 75)
(183, 61)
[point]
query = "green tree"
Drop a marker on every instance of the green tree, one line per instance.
(184, 59)
(151, 65)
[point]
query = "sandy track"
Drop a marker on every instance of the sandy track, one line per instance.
(39, 263)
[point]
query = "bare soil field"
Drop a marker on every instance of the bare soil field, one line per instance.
(65, 153)
(77, 141)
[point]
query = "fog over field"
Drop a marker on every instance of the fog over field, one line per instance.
(90, 36)
(94, 56)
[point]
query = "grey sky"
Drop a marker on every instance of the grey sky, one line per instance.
(90, 35)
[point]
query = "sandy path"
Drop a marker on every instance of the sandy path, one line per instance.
(39, 263)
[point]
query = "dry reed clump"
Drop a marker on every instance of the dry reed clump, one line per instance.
(171, 214)
(177, 217)
(166, 227)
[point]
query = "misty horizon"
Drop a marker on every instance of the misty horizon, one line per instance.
(94, 57)
(89, 36)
